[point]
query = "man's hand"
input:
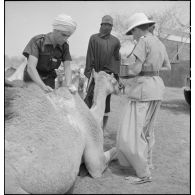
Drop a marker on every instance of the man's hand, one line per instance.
(47, 88)
(120, 85)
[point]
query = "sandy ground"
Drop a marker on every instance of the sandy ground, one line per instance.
(171, 153)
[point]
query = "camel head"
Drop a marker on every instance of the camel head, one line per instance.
(76, 77)
(105, 81)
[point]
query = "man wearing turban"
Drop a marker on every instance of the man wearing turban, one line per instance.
(46, 52)
(102, 55)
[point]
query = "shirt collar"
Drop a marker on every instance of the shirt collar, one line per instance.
(104, 36)
(48, 41)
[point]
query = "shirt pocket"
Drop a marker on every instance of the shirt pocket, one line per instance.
(153, 88)
(134, 90)
(44, 62)
(55, 63)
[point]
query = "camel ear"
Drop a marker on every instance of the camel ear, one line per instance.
(114, 81)
(112, 78)
(94, 74)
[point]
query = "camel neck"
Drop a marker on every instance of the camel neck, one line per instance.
(98, 107)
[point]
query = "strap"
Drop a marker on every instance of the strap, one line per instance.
(89, 81)
(40, 41)
(149, 73)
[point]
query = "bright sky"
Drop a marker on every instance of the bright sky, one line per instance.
(23, 20)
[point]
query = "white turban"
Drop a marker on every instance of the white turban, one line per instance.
(64, 23)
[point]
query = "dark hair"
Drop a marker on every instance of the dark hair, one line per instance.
(145, 26)
(151, 28)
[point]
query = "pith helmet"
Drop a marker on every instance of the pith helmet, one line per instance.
(137, 20)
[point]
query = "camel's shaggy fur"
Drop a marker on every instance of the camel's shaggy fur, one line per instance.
(105, 84)
(41, 146)
(46, 135)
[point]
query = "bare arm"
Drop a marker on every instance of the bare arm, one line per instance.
(166, 67)
(166, 64)
(67, 73)
(32, 71)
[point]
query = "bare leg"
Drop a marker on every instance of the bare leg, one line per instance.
(105, 120)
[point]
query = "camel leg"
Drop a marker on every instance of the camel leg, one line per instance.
(95, 161)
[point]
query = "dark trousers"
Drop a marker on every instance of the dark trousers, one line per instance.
(89, 97)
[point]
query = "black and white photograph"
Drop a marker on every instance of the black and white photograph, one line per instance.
(97, 97)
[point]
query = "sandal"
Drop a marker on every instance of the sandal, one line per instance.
(136, 180)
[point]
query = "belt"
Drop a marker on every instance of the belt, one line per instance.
(46, 75)
(115, 75)
(149, 73)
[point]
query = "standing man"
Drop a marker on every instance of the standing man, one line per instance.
(102, 55)
(45, 52)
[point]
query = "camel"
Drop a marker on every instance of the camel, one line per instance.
(48, 135)
(100, 94)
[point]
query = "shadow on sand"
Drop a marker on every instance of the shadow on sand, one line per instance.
(176, 106)
(119, 170)
(114, 166)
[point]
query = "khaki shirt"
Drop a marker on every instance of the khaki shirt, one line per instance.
(152, 53)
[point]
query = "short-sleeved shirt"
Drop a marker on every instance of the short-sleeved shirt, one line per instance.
(49, 58)
(103, 54)
(151, 51)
